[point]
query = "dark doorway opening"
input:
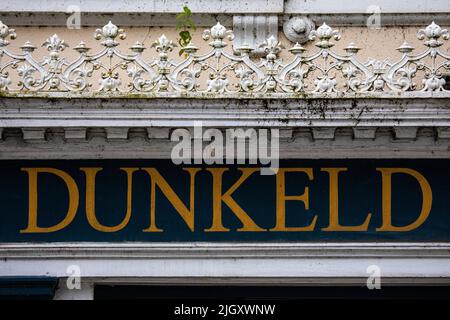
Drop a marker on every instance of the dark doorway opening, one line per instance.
(272, 293)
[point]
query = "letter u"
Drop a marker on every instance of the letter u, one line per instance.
(90, 199)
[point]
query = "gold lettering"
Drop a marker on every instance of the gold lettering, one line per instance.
(282, 198)
(33, 200)
(427, 199)
(185, 213)
(90, 200)
(219, 197)
(334, 225)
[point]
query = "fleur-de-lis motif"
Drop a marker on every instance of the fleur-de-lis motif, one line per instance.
(324, 33)
(54, 44)
(271, 47)
(433, 33)
(109, 33)
(217, 33)
(163, 46)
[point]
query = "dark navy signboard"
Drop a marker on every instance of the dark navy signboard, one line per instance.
(313, 200)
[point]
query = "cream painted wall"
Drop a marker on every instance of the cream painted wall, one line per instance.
(375, 43)
(378, 44)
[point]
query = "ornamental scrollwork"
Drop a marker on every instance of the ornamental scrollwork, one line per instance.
(221, 69)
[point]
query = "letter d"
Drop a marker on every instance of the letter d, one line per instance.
(427, 199)
(33, 200)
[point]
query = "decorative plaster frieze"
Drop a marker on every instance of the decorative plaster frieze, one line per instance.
(219, 73)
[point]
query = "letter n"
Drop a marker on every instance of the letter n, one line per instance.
(158, 181)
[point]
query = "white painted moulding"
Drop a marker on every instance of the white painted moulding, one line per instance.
(229, 6)
(139, 6)
(162, 13)
(404, 113)
(218, 250)
(300, 146)
(361, 6)
(261, 262)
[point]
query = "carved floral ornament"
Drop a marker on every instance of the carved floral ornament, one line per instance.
(220, 71)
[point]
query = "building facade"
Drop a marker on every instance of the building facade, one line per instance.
(356, 96)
